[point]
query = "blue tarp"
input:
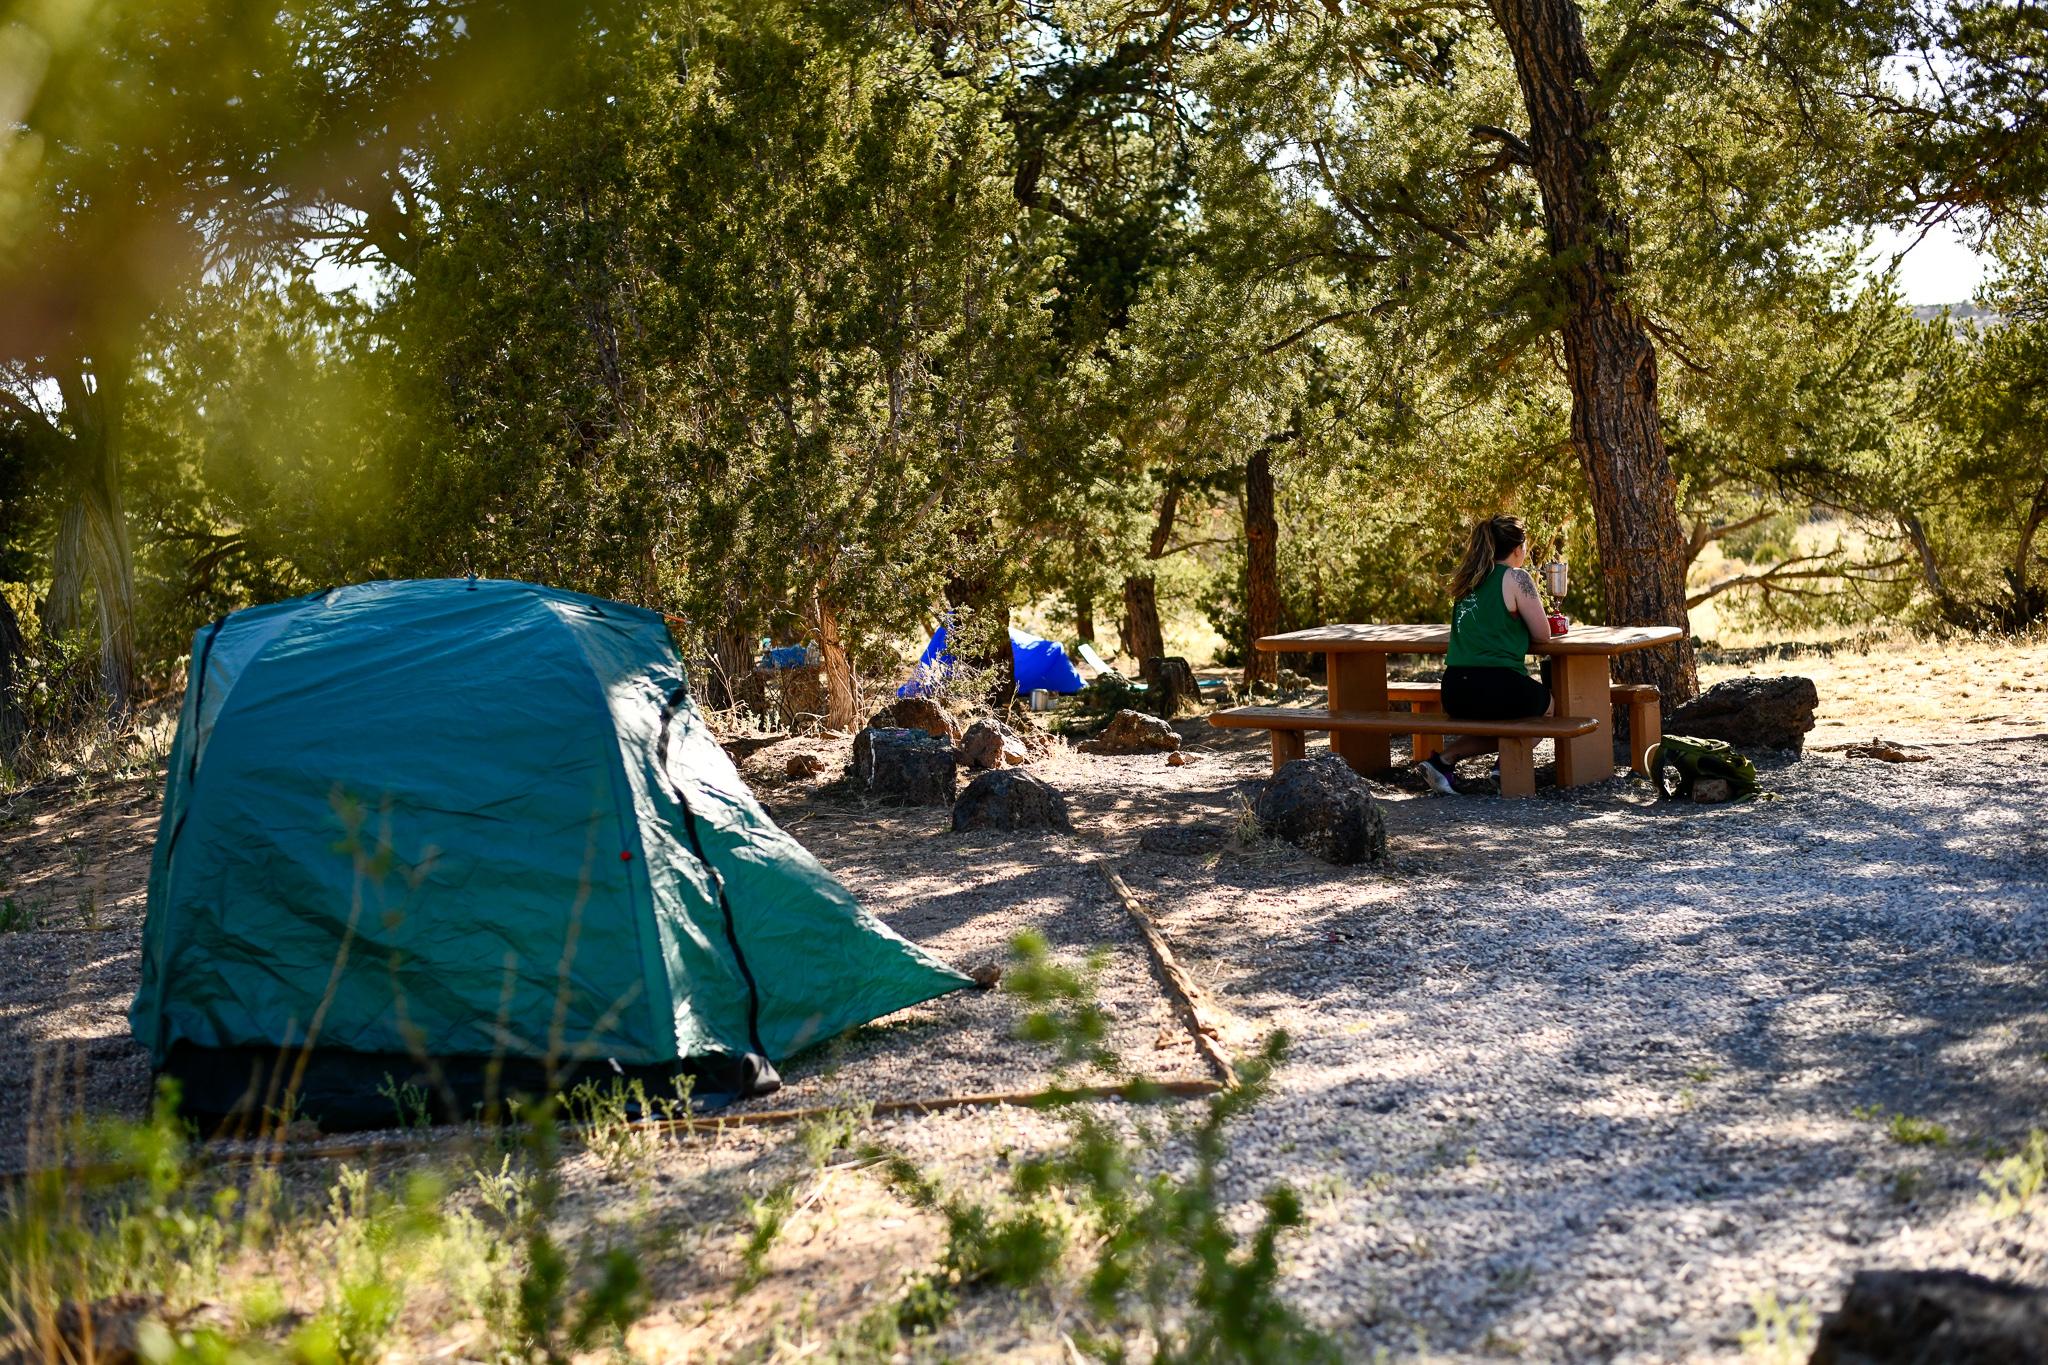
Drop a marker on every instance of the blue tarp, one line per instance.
(1039, 663)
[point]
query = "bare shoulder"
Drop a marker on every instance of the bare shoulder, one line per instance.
(1521, 585)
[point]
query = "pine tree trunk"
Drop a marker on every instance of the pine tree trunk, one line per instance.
(64, 603)
(1610, 363)
(113, 579)
(92, 538)
(1143, 638)
(842, 689)
(1084, 620)
(13, 664)
(1262, 568)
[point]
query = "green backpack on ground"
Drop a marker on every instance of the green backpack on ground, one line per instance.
(1682, 761)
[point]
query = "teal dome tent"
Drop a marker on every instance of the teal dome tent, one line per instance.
(472, 835)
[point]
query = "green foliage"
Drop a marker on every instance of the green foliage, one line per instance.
(1063, 1011)
(1908, 1131)
(18, 916)
(2013, 1184)
(766, 1216)
(1165, 1257)
(408, 1102)
(1781, 1334)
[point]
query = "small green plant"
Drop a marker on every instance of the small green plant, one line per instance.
(410, 1103)
(607, 1114)
(2013, 1184)
(1907, 1184)
(1246, 829)
(17, 916)
(1782, 1334)
(766, 1217)
(1062, 1012)
(833, 1132)
(1014, 1248)
(1908, 1131)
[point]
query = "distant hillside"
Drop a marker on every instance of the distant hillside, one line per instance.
(1958, 314)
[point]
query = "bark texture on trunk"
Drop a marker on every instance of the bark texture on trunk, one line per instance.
(842, 689)
(1262, 568)
(1143, 637)
(1610, 362)
(92, 535)
(13, 662)
(730, 680)
(1084, 620)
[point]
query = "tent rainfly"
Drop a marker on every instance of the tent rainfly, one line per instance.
(471, 835)
(1037, 663)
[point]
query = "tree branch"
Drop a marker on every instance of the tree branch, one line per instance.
(1298, 333)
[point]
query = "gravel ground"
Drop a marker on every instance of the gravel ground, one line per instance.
(1575, 1079)
(1581, 1077)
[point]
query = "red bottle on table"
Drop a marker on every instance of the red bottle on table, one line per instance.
(1559, 624)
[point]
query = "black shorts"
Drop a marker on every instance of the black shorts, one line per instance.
(1492, 694)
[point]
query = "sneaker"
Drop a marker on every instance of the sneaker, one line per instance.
(1438, 774)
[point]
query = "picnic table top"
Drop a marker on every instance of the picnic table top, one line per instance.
(1436, 639)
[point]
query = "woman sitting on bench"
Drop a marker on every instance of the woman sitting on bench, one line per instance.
(1497, 617)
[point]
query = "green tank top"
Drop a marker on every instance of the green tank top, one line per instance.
(1484, 633)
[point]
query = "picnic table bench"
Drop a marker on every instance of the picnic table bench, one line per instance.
(1361, 721)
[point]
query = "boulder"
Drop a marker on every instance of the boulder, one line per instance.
(916, 713)
(1750, 713)
(1319, 805)
(1170, 686)
(1933, 1317)
(1132, 732)
(992, 744)
(1010, 799)
(910, 766)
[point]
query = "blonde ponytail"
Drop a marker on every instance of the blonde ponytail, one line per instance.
(1493, 539)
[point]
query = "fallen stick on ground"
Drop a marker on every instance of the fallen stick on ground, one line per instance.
(1184, 991)
(276, 1151)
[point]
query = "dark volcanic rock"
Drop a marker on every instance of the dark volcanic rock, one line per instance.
(916, 713)
(1934, 1317)
(1750, 713)
(1132, 732)
(904, 765)
(1320, 805)
(1010, 798)
(992, 744)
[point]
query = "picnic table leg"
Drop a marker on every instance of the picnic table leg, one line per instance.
(1578, 685)
(1421, 745)
(1358, 682)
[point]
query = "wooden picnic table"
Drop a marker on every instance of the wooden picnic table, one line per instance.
(1579, 683)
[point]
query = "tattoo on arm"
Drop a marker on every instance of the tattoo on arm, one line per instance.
(1524, 586)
